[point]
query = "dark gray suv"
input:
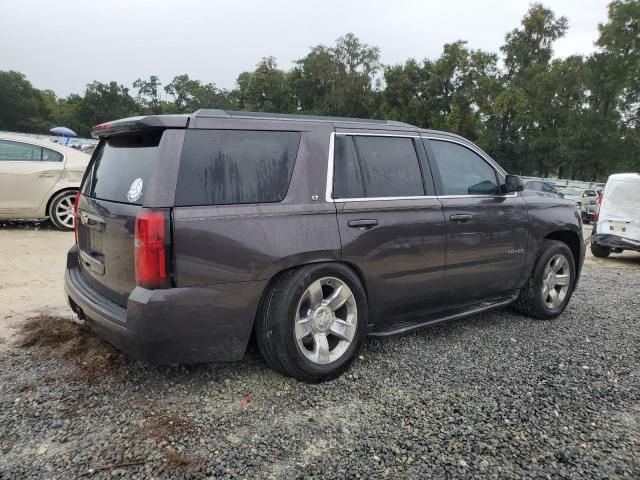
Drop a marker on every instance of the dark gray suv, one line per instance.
(197, 232)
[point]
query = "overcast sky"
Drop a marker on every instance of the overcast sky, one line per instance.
(62, 45)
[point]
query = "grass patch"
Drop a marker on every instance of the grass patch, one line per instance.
(73, 342)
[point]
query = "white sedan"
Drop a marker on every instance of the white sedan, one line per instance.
(39, 179)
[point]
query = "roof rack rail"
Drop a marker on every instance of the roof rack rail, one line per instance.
(218, 113)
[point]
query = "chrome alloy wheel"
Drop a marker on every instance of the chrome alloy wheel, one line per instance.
(64, 210)
(326, 320)
(555, 281)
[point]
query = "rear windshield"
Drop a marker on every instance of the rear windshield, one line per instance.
(221, 167)
(623, 192)
(574, 192)
(122, 167)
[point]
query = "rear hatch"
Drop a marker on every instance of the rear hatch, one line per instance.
(113, 194)
(620, 210)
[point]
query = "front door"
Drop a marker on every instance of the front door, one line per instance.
(391, 225)
(486, 230)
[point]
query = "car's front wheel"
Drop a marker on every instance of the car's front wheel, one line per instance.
(61, 210)
(312, 322)
(550, 286)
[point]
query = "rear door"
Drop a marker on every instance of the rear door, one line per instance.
(620, 210)
(27, 174)
(486, 231)
(127, 173)
(391, 225)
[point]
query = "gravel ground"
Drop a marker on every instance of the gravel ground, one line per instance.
(497, 395)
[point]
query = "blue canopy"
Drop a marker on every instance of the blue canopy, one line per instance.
(64, 131)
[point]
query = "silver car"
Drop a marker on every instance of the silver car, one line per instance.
(586, 198)
(39, 179)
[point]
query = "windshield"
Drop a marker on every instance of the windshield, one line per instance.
(575, 192)
(623, 192)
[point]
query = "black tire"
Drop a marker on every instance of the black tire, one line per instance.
(600, 251)
(275, 324)
(58, 204)
(530, 301)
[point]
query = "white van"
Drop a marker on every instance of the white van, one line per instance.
(617, 218)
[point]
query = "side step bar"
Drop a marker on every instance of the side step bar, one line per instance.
(473, 310)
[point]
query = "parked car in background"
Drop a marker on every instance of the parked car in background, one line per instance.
(617, 220)
(39, 179)
(541, 186)
(586, 199)
(198, 231)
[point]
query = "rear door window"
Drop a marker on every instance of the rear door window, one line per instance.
(376, 167)
(347, 180)
(19, 152)
(122, 167)
(390, 166)
(221, 167)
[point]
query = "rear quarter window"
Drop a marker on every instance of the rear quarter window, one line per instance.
(221, 167)
(122, 167)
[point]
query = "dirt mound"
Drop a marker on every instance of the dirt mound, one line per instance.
(73, 342)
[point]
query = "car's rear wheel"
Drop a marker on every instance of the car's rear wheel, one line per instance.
(313, 322)
(600, 251)
(61, 210)
(550, 286)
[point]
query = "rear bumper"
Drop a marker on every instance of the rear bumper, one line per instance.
(614, 241)
(176, 325)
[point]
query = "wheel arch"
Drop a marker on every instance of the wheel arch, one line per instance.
(54, 195)
(278, 274)
(572, 240)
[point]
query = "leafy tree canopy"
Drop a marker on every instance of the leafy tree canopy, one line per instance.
(575, 117)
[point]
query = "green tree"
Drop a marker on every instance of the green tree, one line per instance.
(149, 94)
(339, 80)
(103, 102)
(516, 115)
(23, 107)
(452, 93)
(190, 95)
(266, 89)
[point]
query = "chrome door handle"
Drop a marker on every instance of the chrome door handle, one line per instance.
(364, 224)
(460, 218)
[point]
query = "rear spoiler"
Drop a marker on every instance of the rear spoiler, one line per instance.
(135, 124)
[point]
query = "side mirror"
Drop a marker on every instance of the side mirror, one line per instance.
(513, 183)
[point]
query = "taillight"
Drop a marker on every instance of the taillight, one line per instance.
(75, 215)
(150, 254)
(596, 214)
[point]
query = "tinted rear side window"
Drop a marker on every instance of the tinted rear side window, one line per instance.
(122, 167)
(390, 166)
(221, 167)
(347, 181)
